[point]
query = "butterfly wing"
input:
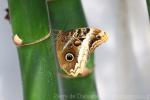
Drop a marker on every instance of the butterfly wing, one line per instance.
(64, 47)
(74, 47)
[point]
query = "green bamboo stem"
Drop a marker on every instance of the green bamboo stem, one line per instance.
(148, 6)
(29, 20)
(65, 15)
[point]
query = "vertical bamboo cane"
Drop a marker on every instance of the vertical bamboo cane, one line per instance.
(65, 15)
(29, 20)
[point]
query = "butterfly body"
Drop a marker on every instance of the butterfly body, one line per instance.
(75, 46)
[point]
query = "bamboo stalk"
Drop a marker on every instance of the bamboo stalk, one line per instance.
(65, 15)
(148, 6)
(38, 68)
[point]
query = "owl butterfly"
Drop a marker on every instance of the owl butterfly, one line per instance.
(75, 46)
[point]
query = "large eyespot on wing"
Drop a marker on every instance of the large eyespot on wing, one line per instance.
(69, 57)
